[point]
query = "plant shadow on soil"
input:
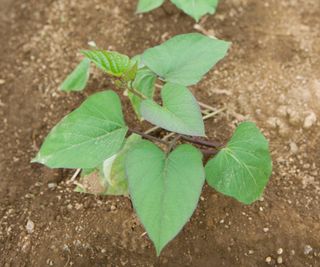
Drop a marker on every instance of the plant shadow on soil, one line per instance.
(271, 76)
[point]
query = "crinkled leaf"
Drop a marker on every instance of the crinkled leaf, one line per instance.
(242, 169)
(111, 62)
(180, 112)
(185, 58)
(87, 136)
(196, 8)
(148, 5)
(145, 84)
(131, 72)
(164, 189)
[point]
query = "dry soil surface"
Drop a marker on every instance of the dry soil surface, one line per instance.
(271, 76)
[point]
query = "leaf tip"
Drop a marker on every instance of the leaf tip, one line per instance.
(37, 159)
(159, 249)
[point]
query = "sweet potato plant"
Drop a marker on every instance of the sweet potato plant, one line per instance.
(194, 8)
(163, 179)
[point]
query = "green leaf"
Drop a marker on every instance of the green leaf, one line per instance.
(185, 58)
(145, 84)
(148, 5)
(116, 175)
(196, 8)
(87, 136)
(137, 59)
(78, 78)
(110, 178)
(242, 169)
(164, 189)
(111, 62)
(180, 112)
(131, 72)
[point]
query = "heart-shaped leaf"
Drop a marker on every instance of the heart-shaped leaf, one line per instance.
(164, 189)
(185, 58)
(148, 5)
(111, 62)
(144, 83)
(77, 80)
(196, 8)
(241, 169)
(87, 136)
(180, 112)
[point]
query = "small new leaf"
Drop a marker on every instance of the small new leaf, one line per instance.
(241, 169)
(148, 5)
(185, 58)
(164, 189)
(196, 8)
(78, 78)
(87, 136)
(180, 112)
(111, 62)
(131, 72)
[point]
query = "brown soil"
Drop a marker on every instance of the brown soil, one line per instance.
(271, 76)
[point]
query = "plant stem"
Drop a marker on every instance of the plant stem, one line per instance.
(184, 137)
(209, 152)
(170, 145)
(137, 93)
(148, 136)
(202, 142)
(173, 143)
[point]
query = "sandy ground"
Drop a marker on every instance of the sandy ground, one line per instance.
(271, 76)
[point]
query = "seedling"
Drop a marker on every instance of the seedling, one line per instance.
(194, 8)
(164, 182)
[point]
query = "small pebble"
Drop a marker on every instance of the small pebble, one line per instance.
(78, 206)
(250, 252)
(30, 226)
(310, 120)
(49, 262)
(294, 148)
(279, 260)
(92, 44)
(268, 259)
(307, 250)
(2, 81)
(52, 185)
(265, 229)
(113, 207)
(280, 251)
